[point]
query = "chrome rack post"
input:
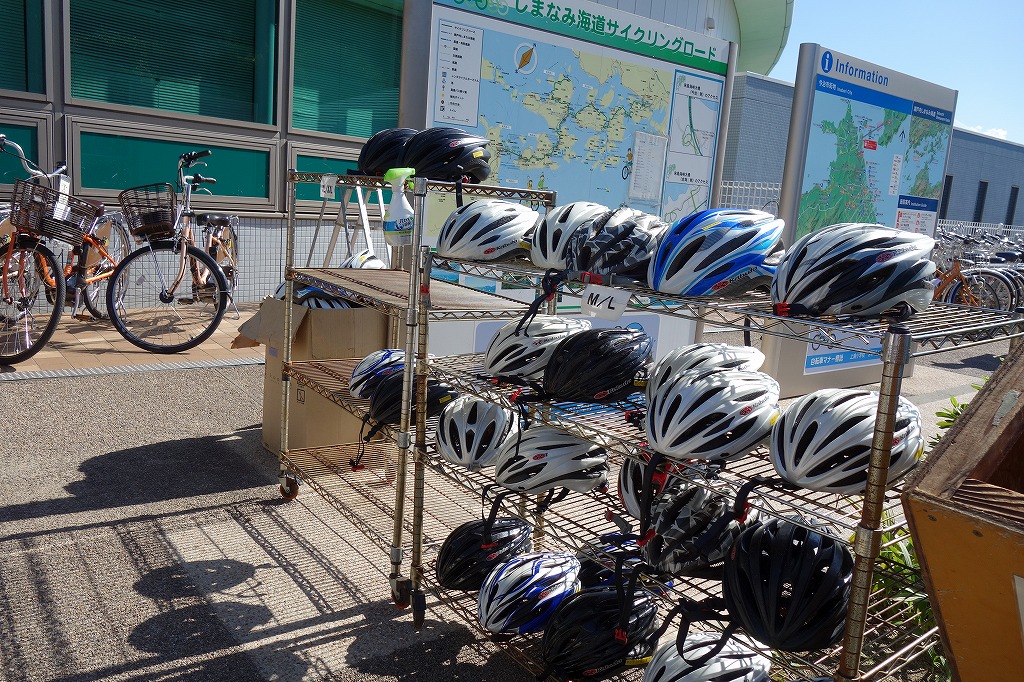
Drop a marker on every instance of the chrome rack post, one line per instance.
(401, 588)
(286, 356)
(419, 600)
(867, 542)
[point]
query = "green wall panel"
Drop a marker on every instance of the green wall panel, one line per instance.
(21, 48)
(347, 62)
(119, 161)
(10, 167)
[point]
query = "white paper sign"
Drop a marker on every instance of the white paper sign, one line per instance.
(604, 302)
(327, 184)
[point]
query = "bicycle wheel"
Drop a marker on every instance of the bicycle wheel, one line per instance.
(1004, 289)
(144, 314)
(31, 299)
(972, 291)
(118, 244)
(225, 254)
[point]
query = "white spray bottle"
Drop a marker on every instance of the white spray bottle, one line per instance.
(398, 218)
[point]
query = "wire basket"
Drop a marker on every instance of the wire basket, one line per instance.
(149, 210)
(43, 211)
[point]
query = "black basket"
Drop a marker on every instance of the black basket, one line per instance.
(149, 210)
(48, 213)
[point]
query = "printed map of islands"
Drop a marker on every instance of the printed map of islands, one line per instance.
(856, 187)
(588, 120)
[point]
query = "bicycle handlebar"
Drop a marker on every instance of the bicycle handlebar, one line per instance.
(29, 167)
(188, 158)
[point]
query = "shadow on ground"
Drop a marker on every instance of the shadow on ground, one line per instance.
(159, 472)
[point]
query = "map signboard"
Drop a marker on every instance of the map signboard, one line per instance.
(874, 148)
(598, 104)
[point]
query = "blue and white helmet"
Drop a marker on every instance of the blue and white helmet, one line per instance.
(374, 367)
(706, 252)
(520, 595)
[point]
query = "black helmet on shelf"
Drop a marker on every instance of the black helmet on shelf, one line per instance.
(788, 586)
(386, 400)
(447, 154)
(597, 365)
(620, 241)
(383, 150)
(469, 553)
(585, 636)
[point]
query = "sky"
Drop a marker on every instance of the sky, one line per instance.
(976, 48)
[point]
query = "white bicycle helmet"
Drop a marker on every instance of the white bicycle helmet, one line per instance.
(374, 367)
(543, 458)
(855, 269)
(680, 518)
(617, 242)
(736, 662)
(823, 440)
(471, 430)
(520, 595)
(553, 234)
(711, 414)
(487, 229)
(703, 253)
(526, 354)
(364, 260)
(703, 356)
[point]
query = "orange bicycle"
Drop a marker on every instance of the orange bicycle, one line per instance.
(33, 285)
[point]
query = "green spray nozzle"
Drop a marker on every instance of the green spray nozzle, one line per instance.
(401, 175)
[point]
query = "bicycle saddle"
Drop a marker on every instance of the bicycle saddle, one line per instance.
(214, 219)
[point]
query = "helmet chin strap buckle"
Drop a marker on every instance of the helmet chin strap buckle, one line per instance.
(591, 278)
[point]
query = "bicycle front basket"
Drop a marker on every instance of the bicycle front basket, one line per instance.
(43, 211)
(149, 210)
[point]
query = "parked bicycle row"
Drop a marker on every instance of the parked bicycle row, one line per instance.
(979, 269)
(160, 272)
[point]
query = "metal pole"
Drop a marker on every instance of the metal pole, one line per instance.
(286, 355)
(895, 355)
(400, 588)
(419, 600)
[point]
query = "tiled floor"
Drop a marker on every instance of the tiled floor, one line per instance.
(89, 344)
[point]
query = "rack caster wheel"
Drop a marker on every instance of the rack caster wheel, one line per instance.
(419, 610)
(289, 488)
(401, 591)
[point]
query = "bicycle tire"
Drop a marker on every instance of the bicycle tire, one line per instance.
(999, 283)
(31, 302)
(972, 291)
(139, 307)
(119, 245)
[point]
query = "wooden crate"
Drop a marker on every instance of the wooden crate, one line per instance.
(965, 506)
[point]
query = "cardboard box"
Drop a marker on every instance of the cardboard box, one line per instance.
(965, 505)
(318, 335)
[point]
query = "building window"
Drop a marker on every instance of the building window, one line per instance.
(947, 188)
(217, 61)
(22, 65)
(1011, 207)
(347, 62)
(979, 202)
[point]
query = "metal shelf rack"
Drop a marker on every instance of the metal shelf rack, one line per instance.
(406, 296)
(875, 618)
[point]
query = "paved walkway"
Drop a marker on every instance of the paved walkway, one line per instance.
(94, 346)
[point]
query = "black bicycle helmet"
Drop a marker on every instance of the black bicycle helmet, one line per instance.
(469, 553)
(618, 242)
(584, 638)
(386, 400)
(788, 586)
(448, 154)
(383, 151)
(681, 519)
(597, 365)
